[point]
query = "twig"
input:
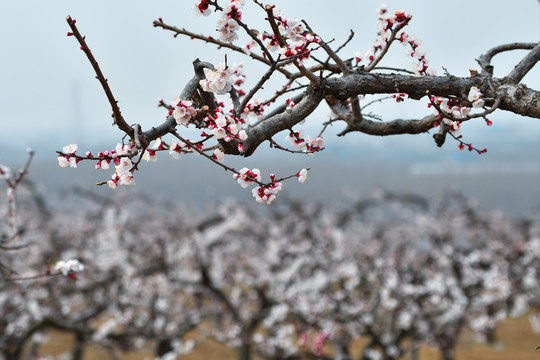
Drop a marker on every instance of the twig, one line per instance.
(393, 69)
(344, 68)
(375, 101)
(284, 89)
(210, 39)
(117, 115)
(15, 247)
(312, 77)
(227, 168)
(351, 35)
(32, 277)
(387, 44)
(257, 87)
(468, 145)
(12, 186)
(483, 114)
(279, 147)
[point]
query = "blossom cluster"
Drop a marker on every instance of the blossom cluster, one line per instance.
(452, 113)
(254, 109)
(183, 111)
(297, 38)
(266, 194)
(202, 8)
(306, 144)
(475, 96)
(227, 25)
(68, 267)
(221, 79)
(293, 32)
(176, 148)
(386, 24)
(420, 62)
(452, 107)
(69, 159)
(262, 194)
(120, 156)
(246, 176)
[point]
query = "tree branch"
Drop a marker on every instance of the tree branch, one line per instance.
(117, 115)
(264, 130)
(485, 59)
(227, 45)
(525, 65)
(394, 127)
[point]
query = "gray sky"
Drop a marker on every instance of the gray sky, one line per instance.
(49, 96)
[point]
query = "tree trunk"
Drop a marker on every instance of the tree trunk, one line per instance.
(163, 347)
(12, 352)
(244, 351)
(78, 347)
(339, 345)
(447, 354)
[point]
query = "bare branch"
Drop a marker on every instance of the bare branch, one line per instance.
(256, 88)
(351, 35)
(344, 68)
(117, 115)
(394, 127)
(209, 39)
(485, 59)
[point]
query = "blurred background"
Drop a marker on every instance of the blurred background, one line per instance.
(49, 98)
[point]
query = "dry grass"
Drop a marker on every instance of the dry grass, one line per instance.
(516, 336)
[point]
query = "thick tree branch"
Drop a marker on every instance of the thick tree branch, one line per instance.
(265, 129)
(515, 98)
(525, 65)
(187, 93)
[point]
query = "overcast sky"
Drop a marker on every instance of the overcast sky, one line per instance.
(49, 96)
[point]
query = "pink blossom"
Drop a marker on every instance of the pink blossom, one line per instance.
(246, 176)
(302, 175)
(67, 267)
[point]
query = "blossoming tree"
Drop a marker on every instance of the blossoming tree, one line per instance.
(233, 120)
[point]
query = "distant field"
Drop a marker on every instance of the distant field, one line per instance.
(516, 336)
